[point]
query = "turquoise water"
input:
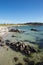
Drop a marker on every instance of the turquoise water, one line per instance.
(35, 37)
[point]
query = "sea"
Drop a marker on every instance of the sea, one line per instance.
(31, 36)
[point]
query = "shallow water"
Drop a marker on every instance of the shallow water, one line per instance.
(35, 37)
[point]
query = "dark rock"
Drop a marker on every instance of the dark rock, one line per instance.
(0, 40)
(32, 49)
(27, 47)
(19, 64)
(34, 30)
(12, 46)
(39, 63)
(13, 36)
(21, 48)
(16, 30)
(26, 59)
(31, 63)
(27, 50)
(7, 40)
(7, 43)
(15, 59)
(7, 49)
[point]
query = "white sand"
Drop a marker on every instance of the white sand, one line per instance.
(3, 30)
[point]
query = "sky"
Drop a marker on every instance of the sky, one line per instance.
(21, 11)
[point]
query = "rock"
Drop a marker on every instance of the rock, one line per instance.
(7, 43)
(7, 40)
(1, 39)
(32, 49)
(7, 49)
(16, 30)
(26, 59)
(19, 63)
(26, 47)
(27, 50)
(13, 36)
(12, 46)
(31, 63)
(21, 48)
(16, 46)
(34, 30)
(15, 59)
(39, 63)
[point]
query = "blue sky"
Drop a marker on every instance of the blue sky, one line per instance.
(20, 11)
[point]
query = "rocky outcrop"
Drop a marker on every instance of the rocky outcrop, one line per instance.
(21, 47)
(16, 30)
(34, 29)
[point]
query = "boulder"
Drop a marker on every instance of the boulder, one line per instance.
(16, 30)
(15, 59)
(34, 29)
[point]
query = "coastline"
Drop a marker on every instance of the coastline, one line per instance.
(9, 53)
(24, 24)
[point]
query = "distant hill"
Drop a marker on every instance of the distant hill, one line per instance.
(33, 24)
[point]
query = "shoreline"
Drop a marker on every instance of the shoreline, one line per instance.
(23, 24)
(18, 52)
